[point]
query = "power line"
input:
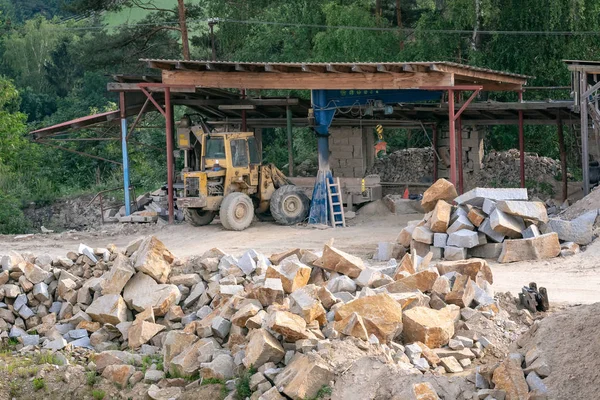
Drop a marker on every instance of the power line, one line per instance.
(348, 27)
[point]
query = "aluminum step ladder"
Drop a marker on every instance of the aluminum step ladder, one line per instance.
(336, 206)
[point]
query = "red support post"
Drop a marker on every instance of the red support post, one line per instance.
(170, 166)
(460, 156)
(452, 134)
(435, 152)
(521, 143)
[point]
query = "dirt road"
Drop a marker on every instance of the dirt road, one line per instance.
(570, 280)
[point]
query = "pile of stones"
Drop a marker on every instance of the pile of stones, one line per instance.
(283, 317)
(407, 165)
(491, 223)
(150, 207)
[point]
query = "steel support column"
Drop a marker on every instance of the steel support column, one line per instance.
(563, 158)
(124, 152)
(434, 134)
(585, 154)
(290, 143)
(452, 134)
(521, 144)
(170, 163)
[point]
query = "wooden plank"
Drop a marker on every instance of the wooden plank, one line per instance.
(491, 76)
(133, 87)
(299, 80)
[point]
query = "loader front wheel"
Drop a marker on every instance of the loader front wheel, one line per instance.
(289, 205)
(237, 211)
(198, 217)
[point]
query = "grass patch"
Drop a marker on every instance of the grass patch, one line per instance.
(177, 375)
(98, 394)
(215, 381)
(147, 361)
(91, 377)
(49, 358)
(324, 391)
(242, 386)
(15, 389)
(39, 384)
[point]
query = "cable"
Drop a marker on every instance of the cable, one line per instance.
(357, 28)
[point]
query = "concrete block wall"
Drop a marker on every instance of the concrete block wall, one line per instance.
(347, 155)
(472, 146)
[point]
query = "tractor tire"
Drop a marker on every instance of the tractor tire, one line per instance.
(237, 211)
(198, 217)
(289, 205)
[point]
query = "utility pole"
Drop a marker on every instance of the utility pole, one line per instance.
(184, 31)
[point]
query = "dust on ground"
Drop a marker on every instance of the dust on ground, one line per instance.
(572, 280)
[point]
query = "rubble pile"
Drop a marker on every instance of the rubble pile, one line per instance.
(503, 167)
(407, 165)
(150, 208)
(296, 320)
(491, 223)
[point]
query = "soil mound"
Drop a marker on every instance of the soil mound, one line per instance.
(569, 342)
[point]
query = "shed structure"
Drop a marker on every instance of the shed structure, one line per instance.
(413, 95)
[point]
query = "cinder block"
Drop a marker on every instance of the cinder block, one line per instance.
(342, 155)
(342, 148)
(354, 162)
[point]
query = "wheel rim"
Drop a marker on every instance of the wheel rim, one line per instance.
(241, 210)
(292, 206)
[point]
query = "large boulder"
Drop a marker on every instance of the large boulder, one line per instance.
(118, 276)
(435, 328)
(304, 376)
(262, 347)
(381, 315)
(174, 343)
(154, 259)
(109, 309)
(440, 190)
(292, 272)
(341, 262)
(142, 292)
(536, 248)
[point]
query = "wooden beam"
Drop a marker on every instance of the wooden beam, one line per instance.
(299, 80)
(492, 76)
(133, 87)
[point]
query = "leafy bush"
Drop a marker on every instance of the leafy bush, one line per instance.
(12, 219)
(39, 383)
(98, 394)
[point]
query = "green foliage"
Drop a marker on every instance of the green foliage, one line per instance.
(38, 384)
(14, 389)
(148, 360)
(213, 381)
(242, 386)
(322, 393)
(91, 377)
(98, 394)
(49, 358)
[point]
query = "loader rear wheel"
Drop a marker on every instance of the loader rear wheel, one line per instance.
(237, 211)
(289, 205)
(198, 217)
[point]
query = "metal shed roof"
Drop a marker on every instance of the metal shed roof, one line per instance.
(356, 75)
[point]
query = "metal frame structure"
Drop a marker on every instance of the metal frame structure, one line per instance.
(196, 84)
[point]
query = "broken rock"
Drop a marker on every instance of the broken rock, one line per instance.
(292, 272)
(109, 309)
(432, 327)
(510, 377)
(381, 314)
(262, 348)
(154, 259)
(304, 376)
(118, 276)
(537, 248)
(535, 210)
(440, 190)
(142, 292)
(341, 262)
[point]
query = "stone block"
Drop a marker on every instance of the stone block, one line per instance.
(422, 234)
(489, 251)
(580, 232)
(454, 253)
(304, 376)
(538, 248)
(440, 217)
(477, 196)
(440, 239)
(508, 225)
(535, 210)
(461, 222)
(262, 348)
(476, 216)
(440, 190)
(488, 206)
(531, 232)
(486, 228)
(463, 238)
(435, 328)
(341, 262)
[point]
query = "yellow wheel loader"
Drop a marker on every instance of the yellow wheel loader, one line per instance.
(223, 175)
